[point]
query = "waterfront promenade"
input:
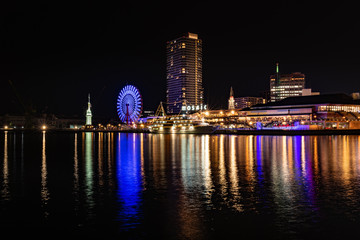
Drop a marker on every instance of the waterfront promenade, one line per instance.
(219, 131)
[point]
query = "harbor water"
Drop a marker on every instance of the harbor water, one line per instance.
(179, 186)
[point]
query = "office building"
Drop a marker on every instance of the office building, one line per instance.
(184, 74)
(286, 85)
(245, 102)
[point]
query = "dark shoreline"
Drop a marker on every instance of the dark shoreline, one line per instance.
(230, 132)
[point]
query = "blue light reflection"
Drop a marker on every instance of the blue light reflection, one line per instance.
(129, 178)
(297, 157)
(259, 152)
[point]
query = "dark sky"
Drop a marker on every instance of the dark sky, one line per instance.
(55, 54)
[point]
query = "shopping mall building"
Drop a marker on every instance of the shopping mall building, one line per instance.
(331, 111)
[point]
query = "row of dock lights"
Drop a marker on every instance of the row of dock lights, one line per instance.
(232, 112)
(6, 127)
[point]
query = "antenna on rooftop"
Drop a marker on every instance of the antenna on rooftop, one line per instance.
(277, 74)
(231, 92)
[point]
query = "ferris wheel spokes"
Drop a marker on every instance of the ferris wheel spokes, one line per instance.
(129, 104)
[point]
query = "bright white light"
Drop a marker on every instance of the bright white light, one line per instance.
(43, 127)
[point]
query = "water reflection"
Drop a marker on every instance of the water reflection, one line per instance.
(189, 183)
(129, 178)
(100, 151)
(234, 177)
(44, 192)
(194, 182)
(5, 191)
(22, 180)
(110, 158)
(76, 187)
(206, 169)
(89, 181)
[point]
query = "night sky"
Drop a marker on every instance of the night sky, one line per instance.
(55, 54)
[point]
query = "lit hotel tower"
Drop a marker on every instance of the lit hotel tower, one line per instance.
(88, 113)
(184, 74)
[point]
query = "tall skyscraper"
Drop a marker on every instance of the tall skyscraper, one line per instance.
(286, 85)
(184, 74)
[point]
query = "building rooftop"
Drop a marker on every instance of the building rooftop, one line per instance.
(315, 99)
(289, 75)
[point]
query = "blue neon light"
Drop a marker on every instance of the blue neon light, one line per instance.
(129, 102)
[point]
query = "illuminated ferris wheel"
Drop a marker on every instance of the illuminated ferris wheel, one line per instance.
(129, 104)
